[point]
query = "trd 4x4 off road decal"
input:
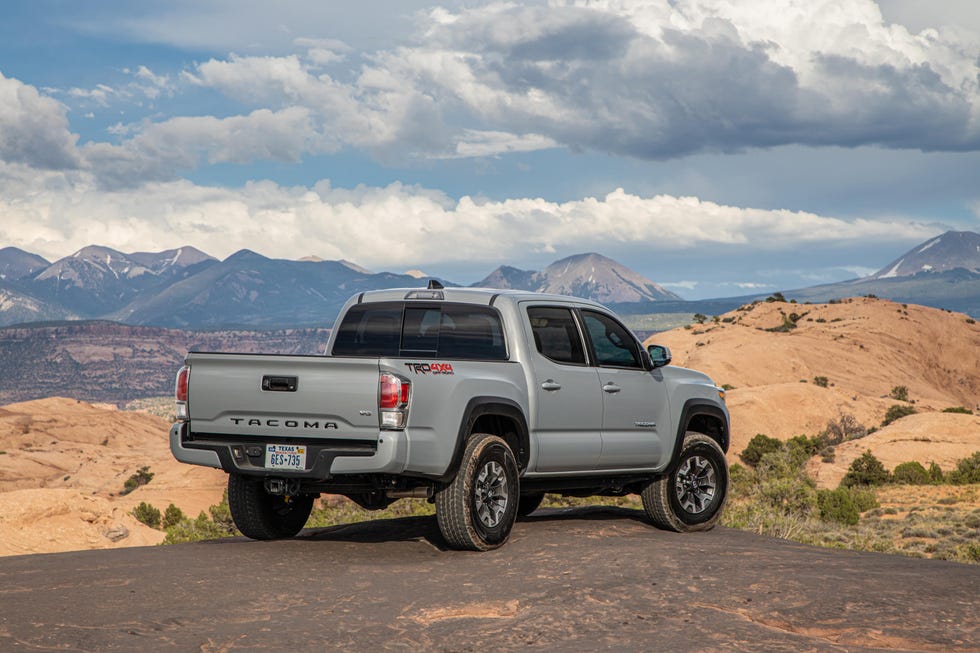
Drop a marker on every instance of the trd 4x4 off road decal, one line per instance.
(430, 368)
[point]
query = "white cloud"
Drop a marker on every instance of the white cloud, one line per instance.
(652, 79)
(397, 226)
(34, 128)
(159, 151)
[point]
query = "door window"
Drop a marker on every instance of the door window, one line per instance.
(555, 334)
(614, 345)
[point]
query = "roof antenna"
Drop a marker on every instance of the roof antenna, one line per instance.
(434, 285)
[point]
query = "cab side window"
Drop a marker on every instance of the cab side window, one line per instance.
(614, 345)
(555, 335)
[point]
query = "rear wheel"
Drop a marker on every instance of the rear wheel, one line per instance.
(477, 509)
(690, 497)
(263, 516)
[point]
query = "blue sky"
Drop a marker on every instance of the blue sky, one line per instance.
(718, 148)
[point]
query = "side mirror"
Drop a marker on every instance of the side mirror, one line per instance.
(659, 354)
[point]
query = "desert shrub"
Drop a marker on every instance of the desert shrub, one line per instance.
(142, 476)
(758, 446)
(821, 381)
(775, 297)
(806, 446)
(967, 471)
(911, 473)
(774, 498)
(970, 320)
(837, 506)
(865, 470)
(864, 499)
(219, 524)
(958, 409)
(727, 386)
(969, 552)
(896, 412)
(147, 514)
(900, 392)
(699, 318)
(727, 320)
(936, 476)
(844, 428)
(172, 516)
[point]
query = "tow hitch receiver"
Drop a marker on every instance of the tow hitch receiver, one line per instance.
(281, 486)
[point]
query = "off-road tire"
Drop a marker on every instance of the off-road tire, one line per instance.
(263, 516)
(691, 495)
(529, 503)
(478, 508)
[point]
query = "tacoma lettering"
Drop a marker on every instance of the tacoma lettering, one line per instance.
(289, 423)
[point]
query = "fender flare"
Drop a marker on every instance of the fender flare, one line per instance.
(478, 407)
(694, 407)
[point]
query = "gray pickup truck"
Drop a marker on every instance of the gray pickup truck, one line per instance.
(479, 400)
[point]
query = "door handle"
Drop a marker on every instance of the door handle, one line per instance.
(611, 388)
(551, 386)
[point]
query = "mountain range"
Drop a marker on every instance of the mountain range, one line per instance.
(186, 288)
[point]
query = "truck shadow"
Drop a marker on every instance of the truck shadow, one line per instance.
(414, 529)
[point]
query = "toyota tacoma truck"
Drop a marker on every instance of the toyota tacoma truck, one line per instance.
(478, 400)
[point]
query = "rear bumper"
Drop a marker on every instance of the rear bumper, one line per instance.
(386, 455)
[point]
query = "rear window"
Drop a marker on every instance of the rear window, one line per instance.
(459, 331)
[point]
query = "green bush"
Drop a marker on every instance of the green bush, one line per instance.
(900, 392)
(958, 409)
(172, 516)
(911, 473)
(806, 446)
(219, 524)
(896, 412)
(837, 506)
(147, 514)
(142, 476)
(967, 471)
(936, 476)
(821, 381)
(758, 446)
(864, 499)
(865, 470)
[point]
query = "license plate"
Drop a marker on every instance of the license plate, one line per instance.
(285, 456)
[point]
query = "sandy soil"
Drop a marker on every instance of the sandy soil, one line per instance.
(62, 469)
(864, 347)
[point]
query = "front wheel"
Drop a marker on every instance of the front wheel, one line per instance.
(690, 497)
(263, 516)
(477, 509)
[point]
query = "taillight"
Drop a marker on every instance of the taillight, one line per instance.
(393, 395)
(180, 393)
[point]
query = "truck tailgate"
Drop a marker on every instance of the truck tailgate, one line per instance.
(283, 396)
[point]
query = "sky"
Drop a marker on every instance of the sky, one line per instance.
(719, 147)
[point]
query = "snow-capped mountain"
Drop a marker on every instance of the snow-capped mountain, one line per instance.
(952, 250)
(591, 275)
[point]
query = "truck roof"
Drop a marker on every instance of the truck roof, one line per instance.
(484, 296)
